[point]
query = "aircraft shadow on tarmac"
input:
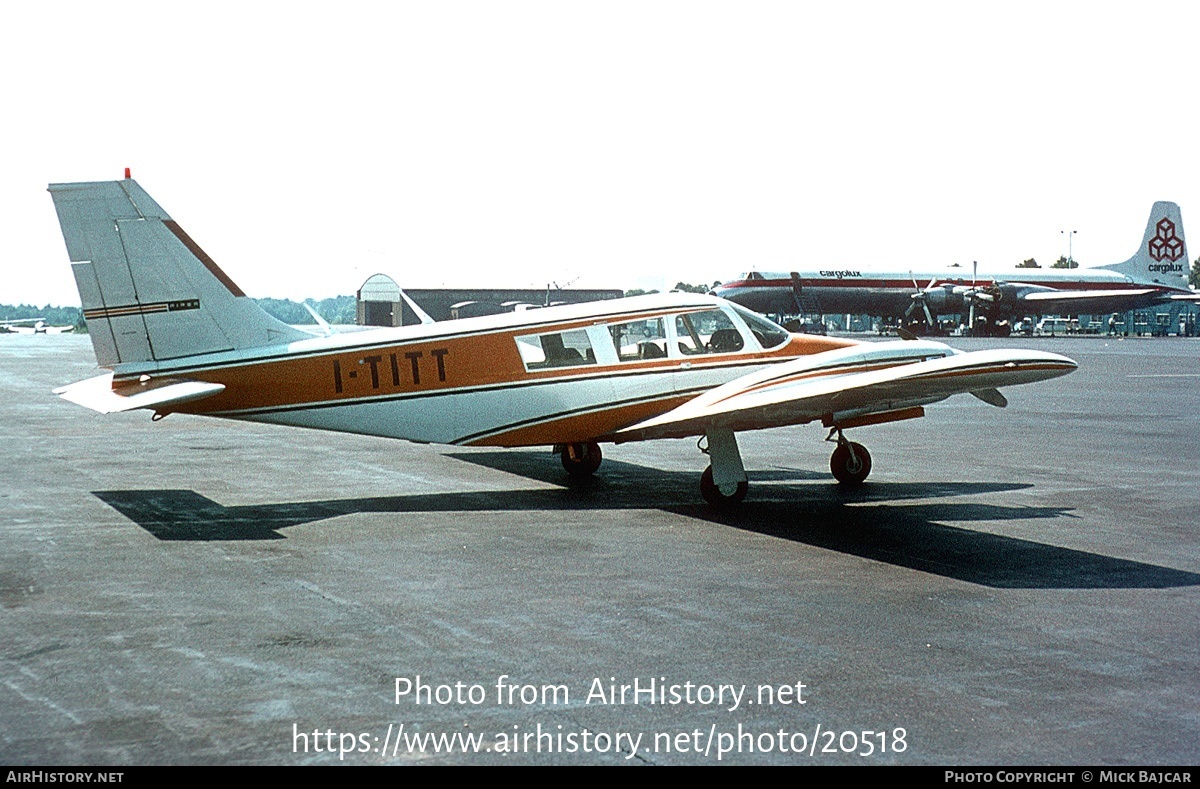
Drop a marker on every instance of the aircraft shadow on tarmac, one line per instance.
(869, 522)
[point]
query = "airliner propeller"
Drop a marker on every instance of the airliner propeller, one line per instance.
(974, 294)
(919, 298)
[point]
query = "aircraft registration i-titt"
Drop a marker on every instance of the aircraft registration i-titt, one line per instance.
(178, 336)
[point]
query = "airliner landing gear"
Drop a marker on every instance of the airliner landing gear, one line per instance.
(724, 482)
(581, 460)
(851, 462)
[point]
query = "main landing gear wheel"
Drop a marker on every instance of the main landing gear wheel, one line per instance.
(713, 495)
(581, 460)
(851, 463)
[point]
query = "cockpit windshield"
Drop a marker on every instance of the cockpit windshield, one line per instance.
(768, 333)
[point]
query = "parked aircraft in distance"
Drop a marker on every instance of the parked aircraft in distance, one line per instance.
(180, 336)
(1157, 273)
(33, 326)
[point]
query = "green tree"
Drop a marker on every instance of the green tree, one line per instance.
(53, 316)
(1030, 263)
(1194, 277)
(337, 310)
(1063, 262)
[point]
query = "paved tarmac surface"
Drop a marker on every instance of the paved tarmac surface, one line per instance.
(1010, 587)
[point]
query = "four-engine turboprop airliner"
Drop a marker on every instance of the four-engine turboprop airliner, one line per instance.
(180, 337)
(1156, 274)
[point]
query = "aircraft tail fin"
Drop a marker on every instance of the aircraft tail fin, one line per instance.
(1162, 257)
(149, 292)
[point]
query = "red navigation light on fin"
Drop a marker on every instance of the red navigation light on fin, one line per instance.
(127, 175)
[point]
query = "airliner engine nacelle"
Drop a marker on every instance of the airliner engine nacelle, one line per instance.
(944, 298)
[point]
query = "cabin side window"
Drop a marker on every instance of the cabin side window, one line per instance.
(556, 349)
(710, 331)
(644, 339)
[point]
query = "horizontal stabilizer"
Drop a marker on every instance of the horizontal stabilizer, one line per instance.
(98, 393)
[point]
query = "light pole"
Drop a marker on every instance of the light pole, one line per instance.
(1070, 247)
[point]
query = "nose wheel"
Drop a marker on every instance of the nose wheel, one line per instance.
(851, 462)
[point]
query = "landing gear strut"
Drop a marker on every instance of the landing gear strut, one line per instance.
(723, 483)
(851, 462)
(581, 460)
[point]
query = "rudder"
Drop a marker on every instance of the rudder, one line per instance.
(149, 293)
(1162, 257)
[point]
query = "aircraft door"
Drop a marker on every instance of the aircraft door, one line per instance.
(699, 337)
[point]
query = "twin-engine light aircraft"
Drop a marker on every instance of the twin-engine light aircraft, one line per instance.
(180, 336)
(1157, 273)
(33, 326)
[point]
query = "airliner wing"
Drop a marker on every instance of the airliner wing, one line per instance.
(800, 391)
(1081, 297)
(1043, 300)
(98, 393)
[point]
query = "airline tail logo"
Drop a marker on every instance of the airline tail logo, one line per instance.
(1166, 245)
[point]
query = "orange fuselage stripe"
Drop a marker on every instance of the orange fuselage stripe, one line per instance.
(424, 367)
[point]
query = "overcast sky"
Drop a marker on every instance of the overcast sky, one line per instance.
(611, 144)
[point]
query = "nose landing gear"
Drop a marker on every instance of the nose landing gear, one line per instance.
(851, 462)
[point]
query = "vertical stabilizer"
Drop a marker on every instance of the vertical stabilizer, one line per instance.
(1162, 258)
(149, 292)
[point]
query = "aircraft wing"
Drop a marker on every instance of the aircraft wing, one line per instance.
(1080, 297)
(98, 393)
(1041, 301)
(805, 390)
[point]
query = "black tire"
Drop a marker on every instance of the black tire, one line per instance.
(850, 469)
(713, 495)
(581, 460)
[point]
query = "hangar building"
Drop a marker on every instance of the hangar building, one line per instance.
(380, 303)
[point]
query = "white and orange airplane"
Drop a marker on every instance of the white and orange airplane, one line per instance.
(180, 337)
